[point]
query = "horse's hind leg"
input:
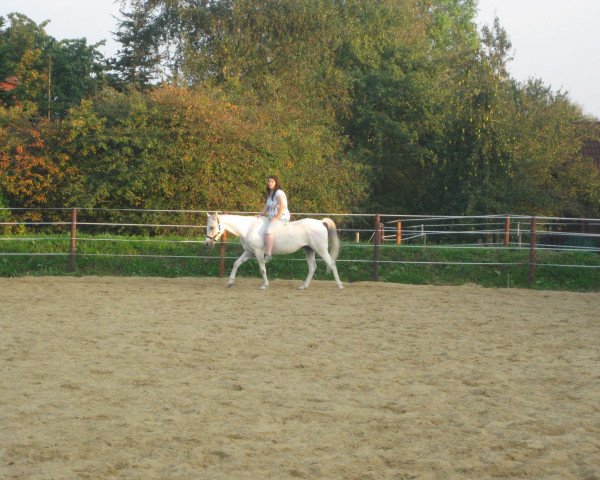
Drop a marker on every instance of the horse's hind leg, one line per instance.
(243, 257)
(331, 264)
(312, 266)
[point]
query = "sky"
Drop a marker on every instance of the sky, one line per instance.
(556, 41)
(91, 19)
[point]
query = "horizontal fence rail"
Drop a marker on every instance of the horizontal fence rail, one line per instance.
(383, 235)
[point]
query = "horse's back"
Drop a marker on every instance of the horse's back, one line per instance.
(307, 222)
(299, 233)
(306, 225)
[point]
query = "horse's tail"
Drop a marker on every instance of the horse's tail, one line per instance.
(334, 241)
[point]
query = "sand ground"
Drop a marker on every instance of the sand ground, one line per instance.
(148, 378)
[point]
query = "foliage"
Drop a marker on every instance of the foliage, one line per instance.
(389, 106)
(54, 75)
(136, 64)
(31, 174)
(508, 146)
(194, 149)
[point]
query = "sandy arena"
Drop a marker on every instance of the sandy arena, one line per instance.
(146, 378)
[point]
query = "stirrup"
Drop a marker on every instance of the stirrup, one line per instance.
(268, 258)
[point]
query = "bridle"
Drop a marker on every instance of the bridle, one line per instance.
(219, 233)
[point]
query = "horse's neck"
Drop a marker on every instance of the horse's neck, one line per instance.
(237, 224)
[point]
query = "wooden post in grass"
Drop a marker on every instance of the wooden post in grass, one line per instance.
(376, 243)
(532, 239)
(73, 240)
(398, 233)
(507, 231)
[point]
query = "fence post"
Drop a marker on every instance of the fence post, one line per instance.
(398, 233)
(376, 242)
(73, 240)
(507, 231)
(532, 239)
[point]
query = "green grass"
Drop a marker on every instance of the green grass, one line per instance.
(186, 256)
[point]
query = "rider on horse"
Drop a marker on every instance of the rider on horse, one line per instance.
(276, 210)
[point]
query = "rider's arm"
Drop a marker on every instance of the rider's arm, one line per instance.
(280, 207)
(263, 211)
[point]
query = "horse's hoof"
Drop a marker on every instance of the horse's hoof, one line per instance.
(302, 287)
(229, 285)
(341, 287)
(263, 287)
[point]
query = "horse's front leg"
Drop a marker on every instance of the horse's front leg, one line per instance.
(243, 257)
(263, 271)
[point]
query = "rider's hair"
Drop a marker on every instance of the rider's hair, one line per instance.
(277, 186)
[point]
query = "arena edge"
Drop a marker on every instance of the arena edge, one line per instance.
(177, 256)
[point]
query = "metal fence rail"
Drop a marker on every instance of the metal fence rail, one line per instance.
(377, 232)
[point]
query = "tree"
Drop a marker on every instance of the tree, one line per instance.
(30, 172)
(22, 47)
(54, 75)
(551, 176)
(397, 101)
(326, 93)
(78, 72)
(137, 64)
(508, 147)
(180, 148)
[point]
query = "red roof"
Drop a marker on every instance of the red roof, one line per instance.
(9, 84)
(591, 141)
(591, 148)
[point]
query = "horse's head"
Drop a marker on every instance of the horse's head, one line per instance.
(214, 230)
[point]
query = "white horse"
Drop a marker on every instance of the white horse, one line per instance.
(310, 234)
